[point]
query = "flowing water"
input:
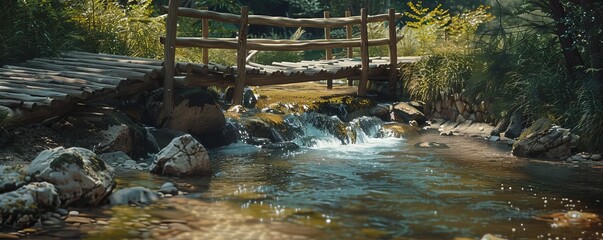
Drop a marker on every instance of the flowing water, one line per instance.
(376, 188)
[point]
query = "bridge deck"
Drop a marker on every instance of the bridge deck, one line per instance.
(46, 87)
(41, 88)
(283, 72)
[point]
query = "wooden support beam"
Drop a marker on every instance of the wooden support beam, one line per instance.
(348, 33)
(237, 98)
(170, 55)
(393, 53)
(205, 34)
(328, 51)
(364, 53)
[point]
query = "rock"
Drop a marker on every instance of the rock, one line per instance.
(18, 207)
(74, 213)
(491, 237)
(249, 99)
(111, 158)
(270, 110)
(404, 112)
(164, 136)
(460, 119)
(196, 113)
(184, 156)
(237, 109)
(447, 133)
(494, 138)
(515, 125)
(553, 143)
(399, 130)
(134, 195)
(413, 123)
(81, 177)
(595, 157)
(431, 145)
(501, 127)
(127, 136)
(281, 146)
(258, 141)
(168, 188)
(419, 105)
(449, 115)
(381, 111)
(11, 178)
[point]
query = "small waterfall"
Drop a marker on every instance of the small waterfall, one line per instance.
(310, 129)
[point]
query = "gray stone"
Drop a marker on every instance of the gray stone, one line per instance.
(515, 125)
(81, 177)
(595, 157)
(134, 195)
(431, 145)
(127, 136)
(168, 188)
(548, 143)
(501, 127)
(114, 157)
(281, 146)
(11, 178)
(404, 112)
(494, 138)
(381, 111)
(17, 207)
(184, 156)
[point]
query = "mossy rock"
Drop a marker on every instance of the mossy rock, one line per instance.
(540, 125)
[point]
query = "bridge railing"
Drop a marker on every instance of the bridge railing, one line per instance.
(243, 44)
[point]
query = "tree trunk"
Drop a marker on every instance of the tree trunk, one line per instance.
(570, 53)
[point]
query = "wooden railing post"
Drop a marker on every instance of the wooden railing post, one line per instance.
(237, 98)
(393, 53)
(205, 35)
(328, 51)
(348, 31)
(364, 53)
(169, 57)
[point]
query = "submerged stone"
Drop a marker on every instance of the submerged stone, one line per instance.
(281, 146)
(134, 195)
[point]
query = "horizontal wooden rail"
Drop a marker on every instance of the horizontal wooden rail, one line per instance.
(279, 21)
(275, 45)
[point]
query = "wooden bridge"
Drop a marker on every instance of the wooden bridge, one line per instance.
(45, 87)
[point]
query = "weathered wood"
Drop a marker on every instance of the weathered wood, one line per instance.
(348, 33)
(100, 68)
(122, 65)
(393, 53)
(85, 70)
(275, 45)
(328, 51)
(205, 34)
(27, 98)
(364, 54)
(237, 97)
(279, 21)
(170, 55)
(113, 58)
(43, 87)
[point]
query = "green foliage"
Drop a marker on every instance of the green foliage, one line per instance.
(267, 57)
(438, 75)
(109, 27)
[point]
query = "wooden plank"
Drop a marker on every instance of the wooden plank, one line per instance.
(278, 21)
(110, 58)
(348, 31)
(329, 51)
(237, 98)
(122, 65)
(275, 45)
(44, 87)
(36, 92)
(364, 54)
(26, 97)
(170, 55)
(85, 70)
(205, 34)
(393, 53)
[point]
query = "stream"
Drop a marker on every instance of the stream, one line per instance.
(376, 188)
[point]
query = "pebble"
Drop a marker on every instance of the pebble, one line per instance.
(168, 195)
(55, 215)
(595, 157)
(154, 221)
(50, 222)
(30, 230)
(75, 219)
(8, 236)
(101, 222)
(74, 213)
(62, 211)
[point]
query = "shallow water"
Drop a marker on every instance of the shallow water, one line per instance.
(383, 189)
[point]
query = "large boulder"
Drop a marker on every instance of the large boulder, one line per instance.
(404, 112)
(551, 143)
(197, 113)
(19, 208)
(81, 177)
(184, 156)
(11, 178)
